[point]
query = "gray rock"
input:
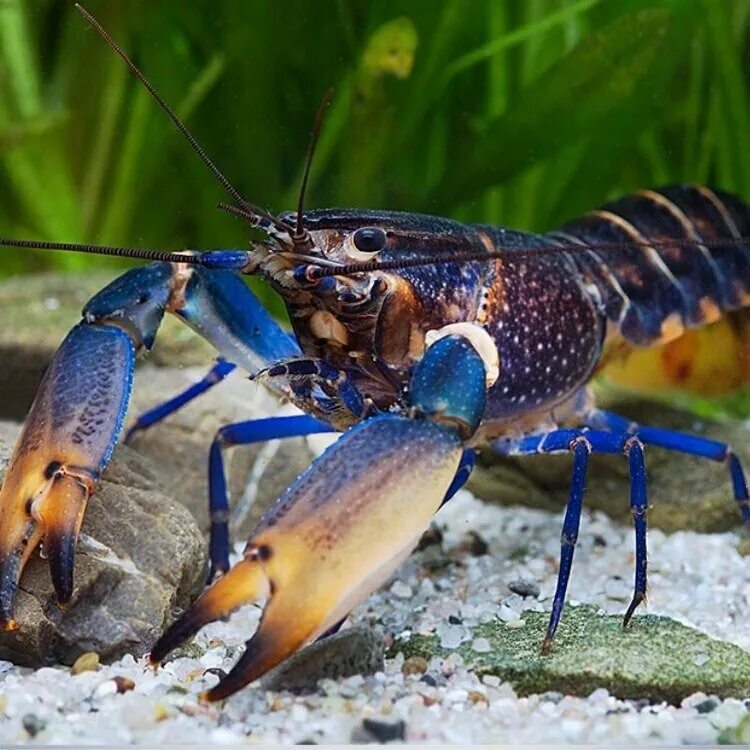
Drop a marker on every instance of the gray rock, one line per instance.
(349, 652)
(656, 658)
(684, 492)
(140, 557)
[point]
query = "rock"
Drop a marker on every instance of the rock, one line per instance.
(140, 557)
(684, 492)
(256, 474)
(353, 651)
(374, 730)
(33, 724)
(656, 658)
(524, 588)
(38, 312)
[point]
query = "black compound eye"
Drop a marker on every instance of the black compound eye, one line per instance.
(369, 239)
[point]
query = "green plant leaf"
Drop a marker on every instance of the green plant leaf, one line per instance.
(577, 95)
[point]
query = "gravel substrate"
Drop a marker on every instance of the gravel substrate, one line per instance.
(696, 579)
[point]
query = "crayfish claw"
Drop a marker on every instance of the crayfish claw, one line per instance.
(62, 516)
(67, 438)
(335, 535)
(245, 583)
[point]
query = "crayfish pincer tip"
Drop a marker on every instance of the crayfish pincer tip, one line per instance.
(245, 583)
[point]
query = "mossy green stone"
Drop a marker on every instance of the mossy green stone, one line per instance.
(656, 658)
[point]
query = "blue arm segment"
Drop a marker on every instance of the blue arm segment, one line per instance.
(222, 309)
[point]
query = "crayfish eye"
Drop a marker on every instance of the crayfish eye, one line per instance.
(369, 239)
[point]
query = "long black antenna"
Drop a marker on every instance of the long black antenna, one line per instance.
(223, 180)
(300, 235)
(140, 253)
(509, 253)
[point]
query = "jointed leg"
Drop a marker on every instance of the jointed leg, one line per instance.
(320, 387)
(581, 443)
(683, 443)
(580, 449)
(215, 375)
(639, 509)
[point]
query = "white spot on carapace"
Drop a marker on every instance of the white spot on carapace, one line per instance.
(479, 339)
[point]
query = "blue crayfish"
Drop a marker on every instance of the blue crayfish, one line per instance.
(422, 339)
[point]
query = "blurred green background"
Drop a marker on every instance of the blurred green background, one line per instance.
(516, 112)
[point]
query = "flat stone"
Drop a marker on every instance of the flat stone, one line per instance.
(38, 311)
(685, 492)
(656, 658)
(353, 651)
(140, 557)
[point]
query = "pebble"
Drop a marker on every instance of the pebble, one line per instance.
(506, 614)
(383, 731)
(481, 646)
(414, 665)
(33, 724)
(402, 590)
(706, 706)
(407, 696)
(123, 684)
(475, 544)
(88, 662)
(451, 636)
(524, 588)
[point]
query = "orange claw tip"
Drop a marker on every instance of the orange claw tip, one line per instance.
(245, 583)
(8, 625)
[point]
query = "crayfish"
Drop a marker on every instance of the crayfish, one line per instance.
(421, 339)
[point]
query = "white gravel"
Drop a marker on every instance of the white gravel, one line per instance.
(697, 579)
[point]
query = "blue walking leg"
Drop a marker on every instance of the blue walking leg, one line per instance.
(581, 449)
(215, 375)
(639, 509)
(243, 433)
(595, 441)
(338, 397)
(691, 444)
